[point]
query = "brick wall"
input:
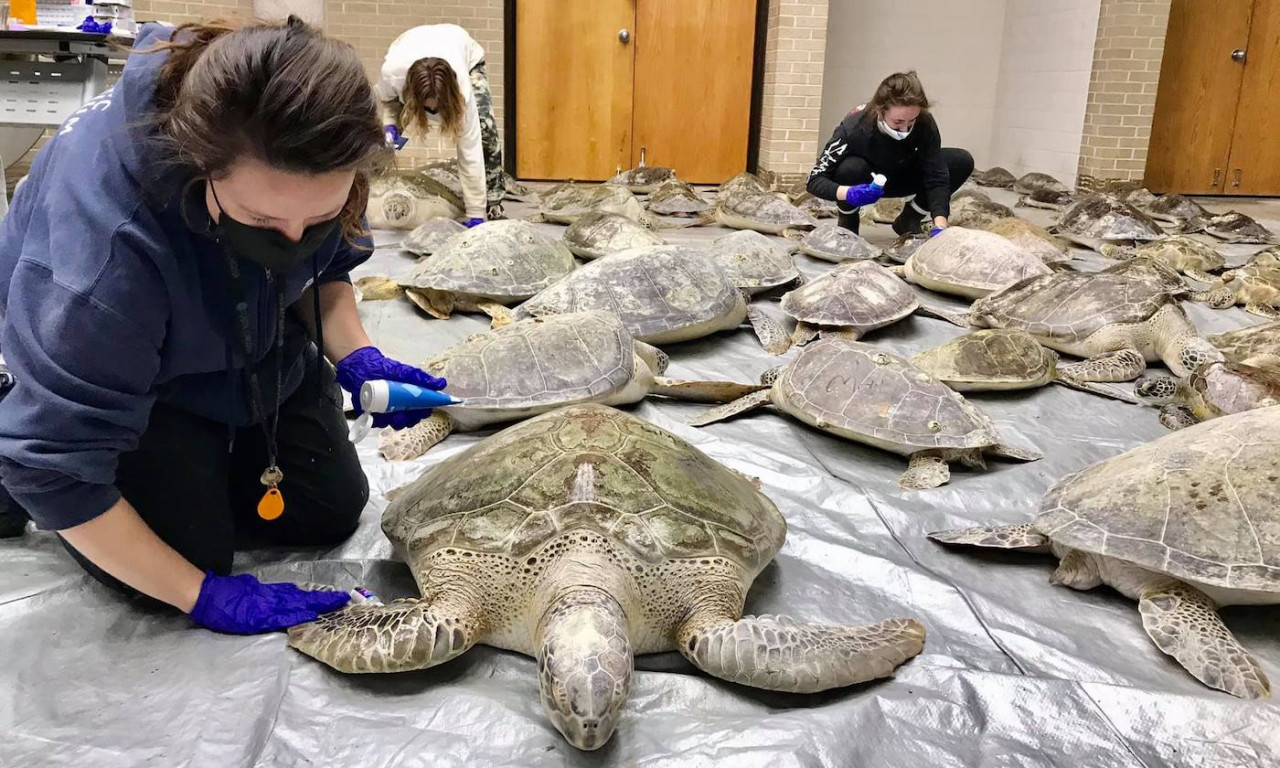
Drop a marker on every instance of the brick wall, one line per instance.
(371, 26)
(179, 12)
(792, 90)
(1122, 89)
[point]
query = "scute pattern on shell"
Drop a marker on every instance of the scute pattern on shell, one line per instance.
(1071, 306)
(861, 294)
(1034, 181)
(835, 243)
(1202, 504)
(566, 203)
(500, 260)
(990, 355)
(974, 259)
(763, 211)
(644, 180)
(676, 198)
(752, 261)
(858, 387)
(1255, 344)
(1105, 217)
(1031, 238)
(597, 473)
(994, 177)
(431, 235)
(602, 233)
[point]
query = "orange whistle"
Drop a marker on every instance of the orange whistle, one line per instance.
(272, 504)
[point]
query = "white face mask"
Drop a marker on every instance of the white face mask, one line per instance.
(887, 131)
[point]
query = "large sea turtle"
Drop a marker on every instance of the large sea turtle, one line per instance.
(1185, 254)
(1032, 239)
(743, 182)
(886, 210)
(848, 301)
(1095, 219)
(1184, 525)
(1214, 389)
(535, 366)
(602, 233)
(1257, 345)
(832, 243)
(753, 262)
(487, 267)
(1033, 181)
(676, 198)
(406, 199)
(568, 202)
(863, 393)
(662, 293)
(994, 177)
(581, 538)
(969, 263)
(1257, 288)
(430, 236)
(644, 179)
(1175, 209)
(1048, 199)
(764, 212)
(799, 196)
(1233, 227)
(975, 213)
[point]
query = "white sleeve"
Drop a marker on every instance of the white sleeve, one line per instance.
(383, 90)
(471, 162)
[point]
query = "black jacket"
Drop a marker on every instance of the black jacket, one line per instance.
(917, 155)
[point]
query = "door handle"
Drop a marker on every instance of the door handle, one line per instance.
(1238, 55)
(1217, 176)
(624, 35)
(1235, 179)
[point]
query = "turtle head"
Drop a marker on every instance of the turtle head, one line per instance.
(1157, 390)
(770, 377)
(584, 665)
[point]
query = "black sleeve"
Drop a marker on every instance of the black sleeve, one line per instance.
(937, 179)
(821, 182)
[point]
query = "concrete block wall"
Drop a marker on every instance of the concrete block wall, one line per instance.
(1122, 90)
(178, 12)
(791, 104)
(1043, 88)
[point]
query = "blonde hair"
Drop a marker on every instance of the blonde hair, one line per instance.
(426, 79)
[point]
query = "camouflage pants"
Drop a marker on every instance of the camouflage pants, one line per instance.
(489, 138)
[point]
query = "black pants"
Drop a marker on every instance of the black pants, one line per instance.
(854, 170)
(202, 500)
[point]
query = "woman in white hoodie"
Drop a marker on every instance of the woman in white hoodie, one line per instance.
(435, 75)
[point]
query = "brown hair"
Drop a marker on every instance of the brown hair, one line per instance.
(282, 93)
(428, 78)
(901, 89)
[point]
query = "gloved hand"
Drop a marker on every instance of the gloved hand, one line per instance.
(935, 231)
(369, 364)
(863, 194)
(394, 139)
(469, 223)
(242, 605)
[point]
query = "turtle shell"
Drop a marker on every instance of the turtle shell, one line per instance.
(602, 233)
(1032, 239)
(659, 292)
(1070, 306)
(586, 469)
(431, 235)
(566, 205)
(501, 260)
(993, 356)
(834, 243)
(860, 294)
(644, 180)
(763, 212)
(752, 262)
(676, 198)
(975, 213)
(994, 177)
(866, 394)
(1033, 181)
(1183, 252)
(1104, 217)
(406, 199)
(1147, 268)
(1201, 504)
(1222, 388)
(743, 182)
(1257, 345)
(886, 210)
(1267, 257)
(1236, 227)
(1174, 208)
(971, 263)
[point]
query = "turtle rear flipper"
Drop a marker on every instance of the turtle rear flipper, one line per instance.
(928, 469)
(780, 654)
(1184, 623)
(704, 391)
(741, 405)
(399, 637)
(1020, 536)
(412, 442)
(774, 340)
(1120, 365)
(962, 319)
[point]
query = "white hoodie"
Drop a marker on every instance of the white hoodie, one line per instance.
(451, 43)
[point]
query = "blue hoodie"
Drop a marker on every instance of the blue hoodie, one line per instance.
(115, 296)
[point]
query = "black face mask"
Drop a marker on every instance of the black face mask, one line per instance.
(266, 247)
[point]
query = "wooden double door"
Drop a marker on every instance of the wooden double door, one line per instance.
(597, 80)
(1216, 129)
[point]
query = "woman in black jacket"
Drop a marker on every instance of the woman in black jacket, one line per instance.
(895, 136)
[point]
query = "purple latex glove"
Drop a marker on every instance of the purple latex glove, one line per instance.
(369, 364)
(242, 605)
(394, 139)
(935, 231)
(863, 194)
(469, 223)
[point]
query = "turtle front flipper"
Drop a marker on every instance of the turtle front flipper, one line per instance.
(1174, 416)
(741, 405)
(961, 319)
(778, 653)
(399, 637)
(1262, 310)
(774, 340)
(1020, 536)
(584, 665)
(412, 442)
(1184, 623)
(1120, 365)
(438, 304)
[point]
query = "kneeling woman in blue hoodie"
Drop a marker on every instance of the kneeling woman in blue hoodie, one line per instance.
(167, 272)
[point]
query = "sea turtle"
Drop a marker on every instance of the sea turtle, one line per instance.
(601, 233)
(512, 189)
(1150, 268)
(901, 249)
(376, 288)
(998, 359)
(763, 212)
(490, 265)
(753, 262)
(1214, 389)
(1102, 218)
(865, 394)
(662, 293)
(643, 180)
(1185, 254)
(1032, 239)
(994, 177)
(1256, 345)
(799, 196)
(1137, 196)
(832, 243)
(1049, 199)
(974, 213)
(535, 366)
(430, 236)
(1031, 182)
(969, 263)
(969, 193)
(1232, 227)
(1174, 209)
(406, 199)
(743, 182)
(887, 209)
(1117, 322)
(568, 202)
(1183, 525)
(850, 300)
(446, 172)
(1267, 257)
(1257, 288)
(676, 198)
(581, 538)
